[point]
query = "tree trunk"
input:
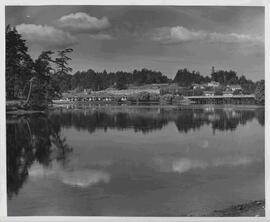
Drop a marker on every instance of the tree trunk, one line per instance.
(29, 91)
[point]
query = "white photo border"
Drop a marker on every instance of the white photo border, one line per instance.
(3, 189)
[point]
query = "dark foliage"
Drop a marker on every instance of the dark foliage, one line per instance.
(119, 80)
(185, 78)
(18, 64)
(260, 92)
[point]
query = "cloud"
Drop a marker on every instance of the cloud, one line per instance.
(205, 144)
(46, 36)
(83, 23)
(233, 38)
(37, 171)
(180, 34)
(101, 36)
(232, 161)
(85, 178)
(185, 164)
(76, 177)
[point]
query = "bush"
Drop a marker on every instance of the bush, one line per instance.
(144, 96)
(260, 92)
(166, 99)
(218, 92)
(154, 97)
(237, 92)
(198, 92)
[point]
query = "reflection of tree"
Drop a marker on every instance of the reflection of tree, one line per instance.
(230, 120)
(188, 119)
(19, 155)
(28, 140)
(259, 113)
(102, 120)
(146, 121)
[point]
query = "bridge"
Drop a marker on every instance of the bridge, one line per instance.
(222, 99)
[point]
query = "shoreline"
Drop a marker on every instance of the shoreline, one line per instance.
(24, 112)
(21, 112)
(249, 209)
(158, 105)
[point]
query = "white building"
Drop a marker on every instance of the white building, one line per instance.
(234, 87)
(213, 84)
(209, 93)
(198, 86)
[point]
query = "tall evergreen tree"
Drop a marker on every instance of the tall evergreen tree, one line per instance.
(43, 90)
(18, 64)
(62, 78)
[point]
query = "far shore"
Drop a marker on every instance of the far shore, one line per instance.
(145, 105)
(20, 112)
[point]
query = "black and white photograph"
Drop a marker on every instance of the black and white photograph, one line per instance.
(135, 110)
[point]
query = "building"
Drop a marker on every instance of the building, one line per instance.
(227, 93)
(234, 87)
(87, 91)
(198, 86)
(171, 89)
(209, 93)
(213, 84)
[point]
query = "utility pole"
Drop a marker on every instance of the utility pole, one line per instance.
(213, 70)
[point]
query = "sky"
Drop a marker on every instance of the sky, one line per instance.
(162, 38)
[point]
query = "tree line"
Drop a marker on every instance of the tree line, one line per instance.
(120, 80)
(186, 78)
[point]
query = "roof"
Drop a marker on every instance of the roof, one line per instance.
(83, 95)
(234, 86)
(213, 82)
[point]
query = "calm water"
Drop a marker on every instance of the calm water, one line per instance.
(135, 161)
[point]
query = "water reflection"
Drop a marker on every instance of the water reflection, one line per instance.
(37, 148)
(185, 164)
(32, 139)
(79, 178)
(147, 119)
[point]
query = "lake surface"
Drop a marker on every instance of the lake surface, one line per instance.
(134, 161)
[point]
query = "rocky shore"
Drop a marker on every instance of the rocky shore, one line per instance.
(250, 209)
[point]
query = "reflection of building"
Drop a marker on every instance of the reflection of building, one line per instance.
(214, 117)
(231, 113)
(209, 109)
